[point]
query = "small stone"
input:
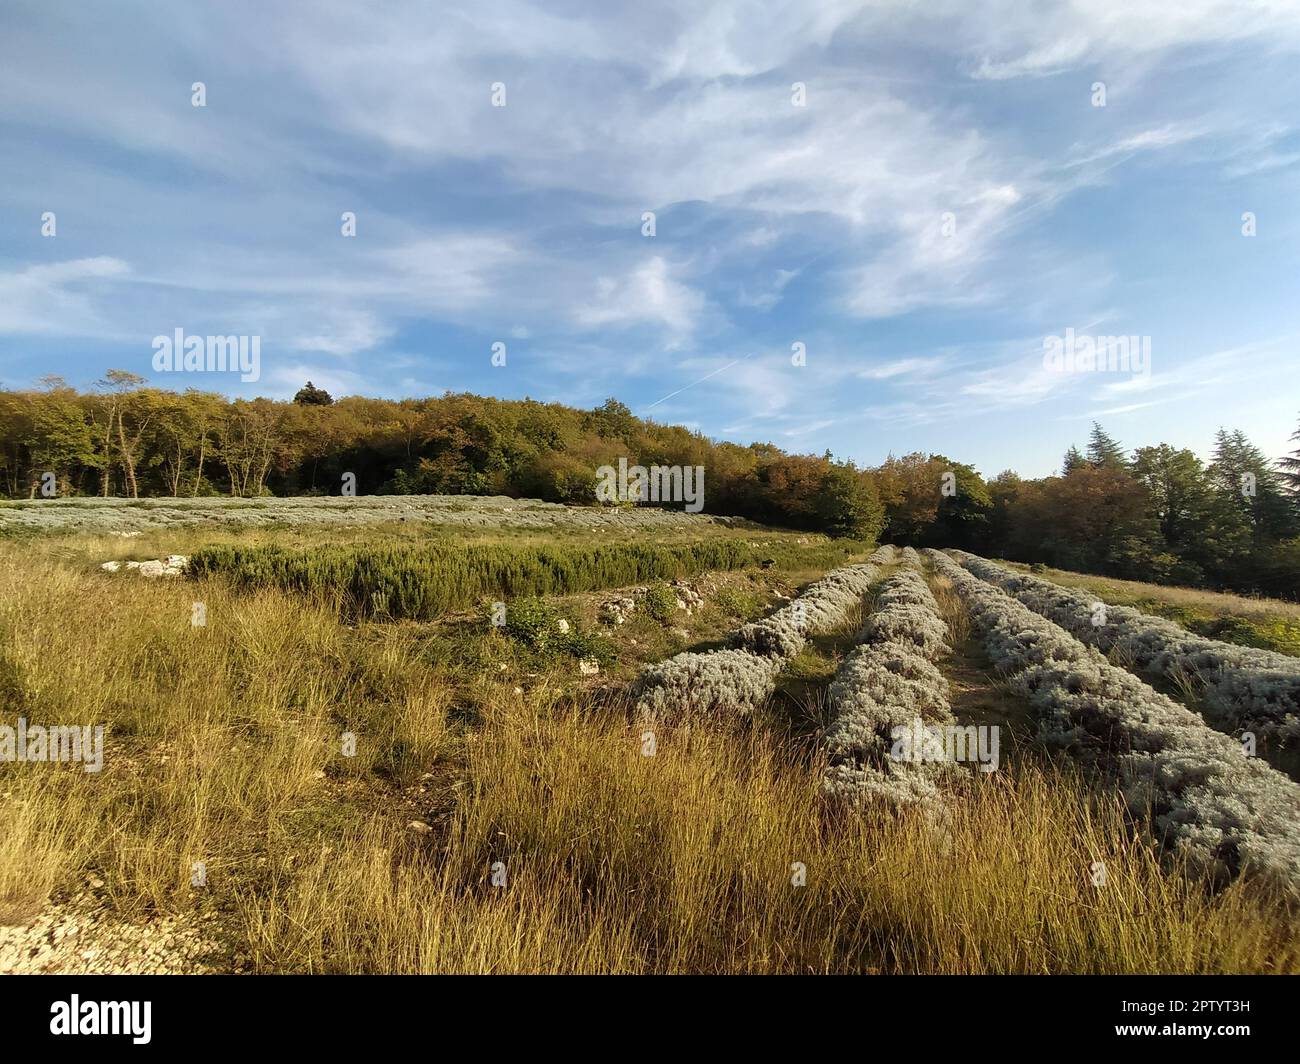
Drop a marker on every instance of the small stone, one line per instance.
(588, 667)
(419, 827)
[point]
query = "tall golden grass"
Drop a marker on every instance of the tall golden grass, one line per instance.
(224, 747)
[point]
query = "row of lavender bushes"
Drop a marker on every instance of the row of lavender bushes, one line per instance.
(888, 683)
(1240, 688)
(1226, 812)
(740, 678)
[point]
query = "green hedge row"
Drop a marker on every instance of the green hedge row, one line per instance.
(425, 580)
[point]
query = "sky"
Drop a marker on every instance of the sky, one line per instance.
(870, 220)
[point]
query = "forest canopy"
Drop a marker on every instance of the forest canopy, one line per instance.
(1156, 513)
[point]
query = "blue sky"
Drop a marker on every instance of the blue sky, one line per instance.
(775, 224)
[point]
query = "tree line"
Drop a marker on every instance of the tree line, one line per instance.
(1157, 513)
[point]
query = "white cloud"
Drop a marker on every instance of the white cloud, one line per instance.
(903, 367)
(57, 298)
(768, 293)
(344, 333)
(646, 294)
(1049, 59)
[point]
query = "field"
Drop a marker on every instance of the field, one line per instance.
(117, 516)
(669, 755)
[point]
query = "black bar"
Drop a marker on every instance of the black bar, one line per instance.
(687, 1013)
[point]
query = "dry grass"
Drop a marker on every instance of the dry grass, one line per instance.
(1131, 592)
(682, 862)
(224, 747)
(216, 735)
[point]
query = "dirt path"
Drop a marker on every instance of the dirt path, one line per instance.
(976, 693)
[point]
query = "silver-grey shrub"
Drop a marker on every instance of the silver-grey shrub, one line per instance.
(888, 683)
(1226, 812)
(742, 677)
(824, 605)
(720, 681)
(1241, 688)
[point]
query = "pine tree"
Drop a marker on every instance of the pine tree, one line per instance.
(1073, 460)
(1291, 466)
(1104, 451)
(310, 395)
(1244, 476)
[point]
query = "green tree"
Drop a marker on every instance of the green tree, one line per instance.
(310, 395)
(1073, 460)
(1249, 486)
(1290, 465)
(1104, 451)
(847, 504)
(965, 505)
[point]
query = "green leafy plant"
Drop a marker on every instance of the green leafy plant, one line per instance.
(660, 602)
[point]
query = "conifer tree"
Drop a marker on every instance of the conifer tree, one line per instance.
(1104, 451)
(1073, 460)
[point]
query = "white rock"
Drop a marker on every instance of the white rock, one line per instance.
(420, 827)
(588, 667)
(562, 625)
(172, 565)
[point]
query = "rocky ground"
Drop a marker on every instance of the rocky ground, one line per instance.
(80, 937)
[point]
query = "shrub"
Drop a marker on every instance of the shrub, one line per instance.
(660, 602)
(736, 602)
(1242, 688)
(532, 622)
(1227, 813)
(887, 683)
(732, 681)
(424, 580)
(536, 624)
(743, 676)
(823, 606)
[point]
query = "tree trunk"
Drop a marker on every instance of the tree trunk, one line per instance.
(107, 476)
(127, 460)
(198, 477)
